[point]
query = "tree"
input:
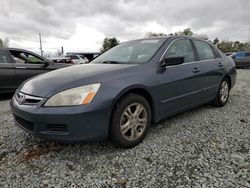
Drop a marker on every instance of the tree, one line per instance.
(151, 34)
(247, 45)
(6, 42)
(1, 43)
(109, 43)
(233, 46)
(187, 32)
(216, 40)
(226, 46)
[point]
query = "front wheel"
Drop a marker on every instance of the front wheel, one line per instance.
(222, 94)
(130, 121)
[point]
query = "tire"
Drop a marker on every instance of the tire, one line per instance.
(134, 125)
(222, 94)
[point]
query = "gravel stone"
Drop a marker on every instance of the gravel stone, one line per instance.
(203, 147)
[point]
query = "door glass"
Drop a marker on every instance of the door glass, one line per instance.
(248, 54)
(18, 59)
(204, 50)
(24, 57)
(3, 58)
(181, 48)
(74, 57)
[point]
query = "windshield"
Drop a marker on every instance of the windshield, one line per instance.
(132, 52)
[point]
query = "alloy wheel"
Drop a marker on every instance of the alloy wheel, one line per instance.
(133, 121)
(224, 90)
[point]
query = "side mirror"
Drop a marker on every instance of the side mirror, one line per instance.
(233, 56)
(175, 60)
(46, 63)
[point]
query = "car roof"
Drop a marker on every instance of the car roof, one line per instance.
(81, 53)
(173, 37)
(18, 49)
(22, 50)
(15, 49)
(243, 51)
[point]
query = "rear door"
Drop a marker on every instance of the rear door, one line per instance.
(27, 65)
(8, 81)
(179, 85)
(211, 65)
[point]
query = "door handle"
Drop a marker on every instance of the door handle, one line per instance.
(220, 64)
(195, 70)
(20, 67)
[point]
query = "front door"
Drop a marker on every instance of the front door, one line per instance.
(179, 85)
(8, 81)
(27, 65)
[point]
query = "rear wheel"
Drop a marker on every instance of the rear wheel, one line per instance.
(130, 121)
(222, 94)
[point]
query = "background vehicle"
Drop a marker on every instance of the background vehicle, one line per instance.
(125, 89)
(241, 59)
(66, 60)
(78, 59)
(89, 55)
(17, 65)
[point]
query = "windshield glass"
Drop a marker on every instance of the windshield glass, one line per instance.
(132, 52)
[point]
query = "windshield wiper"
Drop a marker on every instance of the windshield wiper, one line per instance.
(111, 62)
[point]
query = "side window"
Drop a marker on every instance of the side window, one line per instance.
(205, 51)
(247, 54)
(3, 58)
(31, 58)
(24, 57)
(18, 59)
(216, 51)
(221, 54)
(74, 57)
(181, 47)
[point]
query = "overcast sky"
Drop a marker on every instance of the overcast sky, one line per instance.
(83, 24)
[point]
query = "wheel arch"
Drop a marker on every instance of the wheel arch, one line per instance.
(140, 90)
(227, 77)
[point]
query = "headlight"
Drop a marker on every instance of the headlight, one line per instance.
(75, 96)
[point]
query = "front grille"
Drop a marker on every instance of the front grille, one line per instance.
(24, 123)
(24, 99)
(58, 127)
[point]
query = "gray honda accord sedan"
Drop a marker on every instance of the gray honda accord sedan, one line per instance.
(124, 90)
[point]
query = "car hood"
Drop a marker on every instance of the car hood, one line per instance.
(52, 82)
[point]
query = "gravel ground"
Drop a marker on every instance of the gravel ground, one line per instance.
(204, 147)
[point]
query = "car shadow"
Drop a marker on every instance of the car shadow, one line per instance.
(103, 146)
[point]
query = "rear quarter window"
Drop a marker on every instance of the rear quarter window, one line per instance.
(204, 50)
(221, 54)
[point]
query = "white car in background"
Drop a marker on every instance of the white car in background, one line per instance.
(78, 59)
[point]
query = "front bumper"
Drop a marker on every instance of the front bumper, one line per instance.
(65, 124)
